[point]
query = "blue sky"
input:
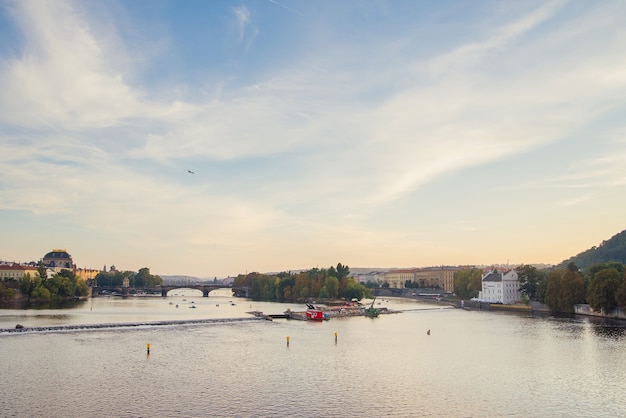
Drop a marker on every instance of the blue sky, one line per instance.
(371, 133)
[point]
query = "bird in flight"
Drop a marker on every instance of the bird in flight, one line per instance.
(190, 172)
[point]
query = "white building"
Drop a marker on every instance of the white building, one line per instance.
(501, 288)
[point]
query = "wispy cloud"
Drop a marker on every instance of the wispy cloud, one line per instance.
(327, 143)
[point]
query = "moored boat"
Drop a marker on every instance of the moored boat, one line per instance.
(316, 314)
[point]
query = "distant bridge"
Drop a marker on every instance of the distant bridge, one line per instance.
(164, 290)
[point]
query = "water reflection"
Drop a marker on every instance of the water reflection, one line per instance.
(473, 364)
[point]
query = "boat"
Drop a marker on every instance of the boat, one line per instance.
(371, 311)
(315, 314)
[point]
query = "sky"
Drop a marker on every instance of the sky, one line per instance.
(381, 134)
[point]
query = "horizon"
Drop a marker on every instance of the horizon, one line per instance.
(238, 137)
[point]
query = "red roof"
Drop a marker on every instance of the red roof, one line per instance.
(16, 266)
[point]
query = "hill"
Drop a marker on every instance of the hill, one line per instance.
(612, 250)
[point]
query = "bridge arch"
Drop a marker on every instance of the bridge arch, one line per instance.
(205, 289)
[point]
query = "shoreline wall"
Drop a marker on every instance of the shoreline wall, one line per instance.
(584, 309)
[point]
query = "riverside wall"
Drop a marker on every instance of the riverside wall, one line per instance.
(584, 309)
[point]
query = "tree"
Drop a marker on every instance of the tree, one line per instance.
(565, 288)
(620, 295)
(60, 286)
(28, 284)
(354, 290)
(42, 271)
(467, 283)
(603, 288)
(332, 286)
(529, 278)
(143, 278)
(6, 293)
(342, 271)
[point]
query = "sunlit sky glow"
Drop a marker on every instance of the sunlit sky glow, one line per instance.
(371, 133)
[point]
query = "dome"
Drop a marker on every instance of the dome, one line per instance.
(58, 259)
(58, 255)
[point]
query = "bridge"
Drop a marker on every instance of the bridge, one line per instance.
(164, 290)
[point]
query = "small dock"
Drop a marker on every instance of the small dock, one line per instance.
(333, 312)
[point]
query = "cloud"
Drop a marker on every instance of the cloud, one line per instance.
(247, 32)
(62, 77)
(326, 144)
(466, 56)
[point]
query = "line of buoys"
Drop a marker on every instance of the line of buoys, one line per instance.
(336, 334)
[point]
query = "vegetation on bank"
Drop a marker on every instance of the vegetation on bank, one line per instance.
(331, 283)
(61, 285)
(116, 278)
(611, 250)
(65, 284)
(601, 285)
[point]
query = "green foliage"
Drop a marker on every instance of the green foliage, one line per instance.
(143, 278)
(354, 290)
(564, 289)
(6, 293)
(332, 286)
(313, 283)
(612, 250)
(60, 286)
(28, 284)
(82, 289)
(530, 279)
(467, 283)
(603, 288)
(41, 293)
(42, 271)
(620, 295)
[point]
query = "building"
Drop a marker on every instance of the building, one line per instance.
(500, 288)
(432, 277)
(57, 260)
(86, 274)
(441, 277)
(16, 271)
(397, 278)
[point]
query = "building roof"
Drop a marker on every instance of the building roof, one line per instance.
(58, 254)
(493, 277)
(16, 266)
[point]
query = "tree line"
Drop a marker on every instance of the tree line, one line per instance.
(601, 285)
(331, 283)
(65, 284)
(115, 278)
(62, 285)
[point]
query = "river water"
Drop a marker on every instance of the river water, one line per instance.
(473, 363)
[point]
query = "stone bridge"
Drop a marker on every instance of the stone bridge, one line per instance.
(204, 288)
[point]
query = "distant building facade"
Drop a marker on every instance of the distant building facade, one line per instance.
(397, 278)
(16, 271)
(500, 288)
(57, 260)
(86, 274)
(441, 277)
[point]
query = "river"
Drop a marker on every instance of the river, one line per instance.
(473, 363)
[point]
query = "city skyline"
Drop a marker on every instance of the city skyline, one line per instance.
(260, 135)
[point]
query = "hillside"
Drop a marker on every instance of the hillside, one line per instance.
(612, 250)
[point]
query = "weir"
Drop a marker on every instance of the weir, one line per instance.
(85, 327)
